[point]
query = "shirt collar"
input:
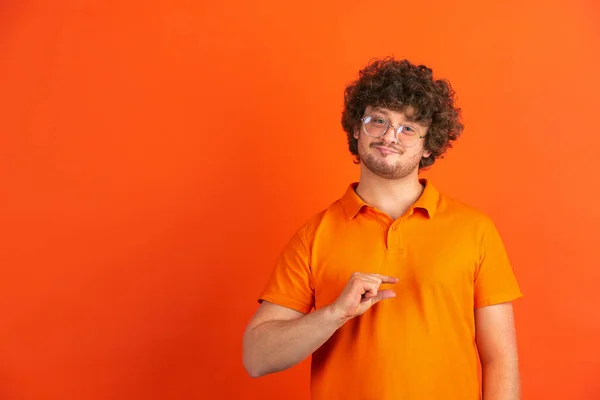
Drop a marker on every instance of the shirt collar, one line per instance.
(428, 201)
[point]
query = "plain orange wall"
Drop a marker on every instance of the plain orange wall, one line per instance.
(155, 157)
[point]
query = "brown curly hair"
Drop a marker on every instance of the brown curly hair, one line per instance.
(397, 84)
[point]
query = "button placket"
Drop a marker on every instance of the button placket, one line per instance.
(394, 242)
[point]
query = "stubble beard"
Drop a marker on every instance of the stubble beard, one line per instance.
(381, 167)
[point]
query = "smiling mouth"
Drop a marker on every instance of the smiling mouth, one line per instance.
(386, 150)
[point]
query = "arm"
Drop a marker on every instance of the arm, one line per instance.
(497, 345)
(278, 338)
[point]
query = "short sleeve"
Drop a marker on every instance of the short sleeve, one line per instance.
(290, 282)
(495, 281)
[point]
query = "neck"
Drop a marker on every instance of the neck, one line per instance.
(391, 196)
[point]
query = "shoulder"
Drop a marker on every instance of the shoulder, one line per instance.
(309, 228)
(325, 219)
(460, 212)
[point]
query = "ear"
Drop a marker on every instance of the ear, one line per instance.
(426, 153)
(356, 133)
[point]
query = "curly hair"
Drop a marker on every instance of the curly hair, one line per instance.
(397, 84)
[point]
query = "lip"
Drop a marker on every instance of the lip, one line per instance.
(386, 150)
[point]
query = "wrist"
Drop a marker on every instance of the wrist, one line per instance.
(333, 317)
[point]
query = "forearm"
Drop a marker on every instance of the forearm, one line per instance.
(277, 345)
(501, 380)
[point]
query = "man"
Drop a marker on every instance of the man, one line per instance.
(395, 289)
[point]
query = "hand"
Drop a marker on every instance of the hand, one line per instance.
(361, 293)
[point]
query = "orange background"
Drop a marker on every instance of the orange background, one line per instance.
(155, 157)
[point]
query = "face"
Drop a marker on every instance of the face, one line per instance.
(386, 156)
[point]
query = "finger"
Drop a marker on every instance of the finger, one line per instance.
(386, 279)
(369, 294)
(383, 295)
(371, 279)
(361, 276)
(379, 278)
(366, 281)
(369, 289)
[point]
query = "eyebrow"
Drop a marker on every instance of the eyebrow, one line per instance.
(387, 114)
(381, 110)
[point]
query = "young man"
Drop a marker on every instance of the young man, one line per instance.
(395, 289)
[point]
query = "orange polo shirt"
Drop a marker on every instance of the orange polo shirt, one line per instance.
(449, 259)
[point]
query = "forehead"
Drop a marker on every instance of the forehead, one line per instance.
(407, 114)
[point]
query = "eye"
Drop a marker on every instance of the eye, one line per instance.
(378, 121)
(408, 130)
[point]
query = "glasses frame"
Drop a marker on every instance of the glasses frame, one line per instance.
(397, 130)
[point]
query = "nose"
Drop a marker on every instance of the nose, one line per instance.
(389, 136)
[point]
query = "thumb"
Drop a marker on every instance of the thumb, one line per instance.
(384, 294)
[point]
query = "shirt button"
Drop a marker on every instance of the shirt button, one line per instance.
(393, 228)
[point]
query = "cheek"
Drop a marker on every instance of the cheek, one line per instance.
(361, 140)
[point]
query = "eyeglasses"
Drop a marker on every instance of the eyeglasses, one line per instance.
(376, 126)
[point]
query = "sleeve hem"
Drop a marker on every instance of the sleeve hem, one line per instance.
(503, 298)
(285, 301)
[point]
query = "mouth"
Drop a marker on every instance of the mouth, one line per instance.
(386, 150)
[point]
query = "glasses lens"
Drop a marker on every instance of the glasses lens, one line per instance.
(375, 126)
(408, 136)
